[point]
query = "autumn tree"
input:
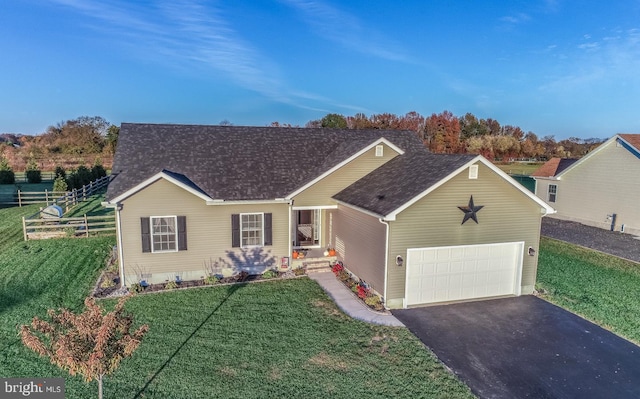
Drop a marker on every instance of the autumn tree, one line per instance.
(91, 343)
(442, 133)
(358, 121)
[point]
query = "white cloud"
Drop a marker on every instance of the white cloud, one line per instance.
(347, 30)
(186, 34)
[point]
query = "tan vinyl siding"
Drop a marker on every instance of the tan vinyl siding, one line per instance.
(208, 233)
(603, 184)
(360, 244)
(321, 192)
(435, 220)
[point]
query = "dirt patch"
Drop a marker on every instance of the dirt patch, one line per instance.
(322, 359)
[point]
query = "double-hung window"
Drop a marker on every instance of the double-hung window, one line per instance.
(251, 229)
(553, 192)
(164, 237)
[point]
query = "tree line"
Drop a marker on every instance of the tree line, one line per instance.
(68, 144)
(449, 134)
(92, 140)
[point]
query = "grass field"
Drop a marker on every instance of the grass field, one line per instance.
(518, 168)
(599, 287)
(283, 339)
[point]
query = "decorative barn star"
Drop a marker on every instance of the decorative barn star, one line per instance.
(470, 211)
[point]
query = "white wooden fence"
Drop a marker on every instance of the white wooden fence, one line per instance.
(36, 229)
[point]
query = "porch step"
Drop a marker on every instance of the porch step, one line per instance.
(317, 265)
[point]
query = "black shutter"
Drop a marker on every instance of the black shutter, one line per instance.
(182, 233)
(235, 230)
(268, 236)
(145, 230)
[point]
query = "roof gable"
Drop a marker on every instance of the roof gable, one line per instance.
(175, 178)
(236, 162)
(347, 149)
(628, 141)
(395, 186)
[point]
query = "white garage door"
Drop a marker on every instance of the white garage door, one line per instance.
(457, 273)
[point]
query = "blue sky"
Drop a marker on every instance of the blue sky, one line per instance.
(562, 68)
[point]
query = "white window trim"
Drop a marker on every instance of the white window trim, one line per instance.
(379, 150)
(261, 234)
(175, 224)
(555, 194)
(473, 172)
(317, 231)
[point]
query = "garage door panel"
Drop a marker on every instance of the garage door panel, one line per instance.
(463, 272)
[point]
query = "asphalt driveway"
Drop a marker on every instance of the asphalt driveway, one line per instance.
(525, 347)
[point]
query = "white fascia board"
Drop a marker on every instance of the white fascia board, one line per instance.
(381, 140)
(306, 208)
(362, 210)
(546, 208)
(153, 179)
(589, 155)
(247, 202)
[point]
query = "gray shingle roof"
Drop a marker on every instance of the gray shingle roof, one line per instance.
(239, 162)
(396, 182)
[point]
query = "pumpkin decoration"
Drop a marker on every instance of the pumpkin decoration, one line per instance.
(332, 252)
(294, 255)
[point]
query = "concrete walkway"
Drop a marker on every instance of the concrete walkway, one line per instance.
(347, 301)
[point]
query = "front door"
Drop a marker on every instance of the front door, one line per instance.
(307, 232)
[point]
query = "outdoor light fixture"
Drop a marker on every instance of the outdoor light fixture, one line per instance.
(532, 251)
(399, 260)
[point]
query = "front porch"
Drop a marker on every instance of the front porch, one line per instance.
(313, 259)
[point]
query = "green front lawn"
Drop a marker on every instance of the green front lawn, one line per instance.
(599, 287)
(277, 339)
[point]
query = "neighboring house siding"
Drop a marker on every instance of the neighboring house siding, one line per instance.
(604, 184)
(435, 220)
(208, 234)
(360, 244)
(321, 192)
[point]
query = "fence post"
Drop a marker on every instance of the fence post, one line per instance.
(19, 200)
(24, 229)
(46, 196)
(86, 225)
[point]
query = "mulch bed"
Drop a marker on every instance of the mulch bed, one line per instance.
(105, 290)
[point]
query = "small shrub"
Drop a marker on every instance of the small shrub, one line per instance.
(107, 283)
(211, 280)
(6, 173)
(171, 285)
(270, 274)
(374, 302)
(343, 275)
(136, 287)
(98, 171)
(337, 268)
(33, 172)
(60, 184)
(362, 291)
(298, 271)
(60, 172)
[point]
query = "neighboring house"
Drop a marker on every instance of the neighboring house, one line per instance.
(417, 227)
(600, 189)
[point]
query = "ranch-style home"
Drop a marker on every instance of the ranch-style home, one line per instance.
(417, 227)
(600, 189)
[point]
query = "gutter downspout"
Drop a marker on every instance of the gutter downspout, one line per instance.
(120, 249)
(386, 259)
